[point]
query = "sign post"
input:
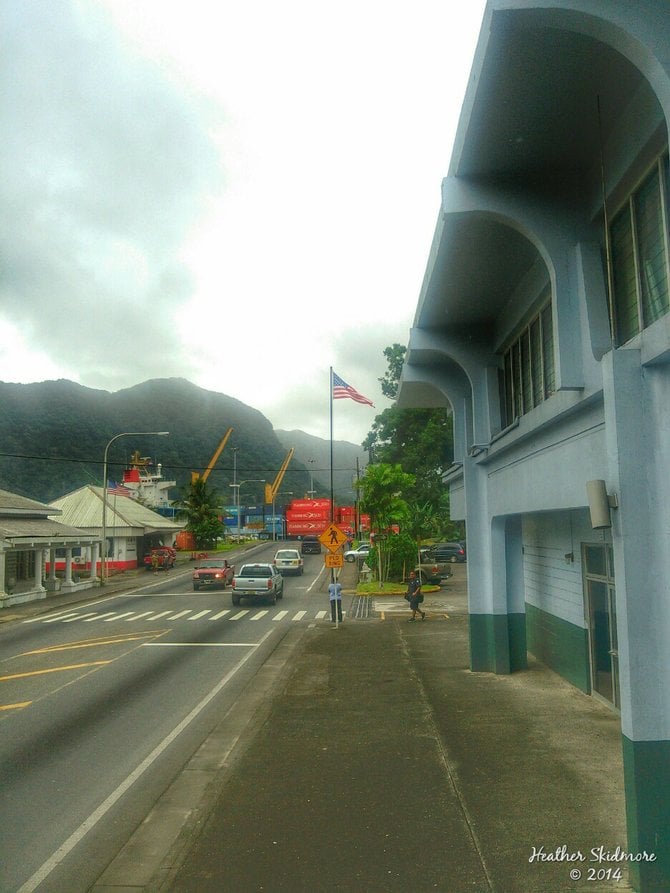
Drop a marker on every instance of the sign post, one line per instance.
(333, 539)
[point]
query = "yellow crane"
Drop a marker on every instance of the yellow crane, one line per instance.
(195, 475)
(271, 490)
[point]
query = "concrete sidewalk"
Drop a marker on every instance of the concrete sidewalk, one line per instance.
(382, 763)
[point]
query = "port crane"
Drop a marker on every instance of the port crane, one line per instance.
(196, 476)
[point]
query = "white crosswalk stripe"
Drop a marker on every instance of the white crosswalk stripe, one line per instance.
(187, 614)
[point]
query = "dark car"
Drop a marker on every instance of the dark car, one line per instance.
(311, 545)
(452, 552)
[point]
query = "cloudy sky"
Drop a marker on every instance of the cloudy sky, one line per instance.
(237, 193)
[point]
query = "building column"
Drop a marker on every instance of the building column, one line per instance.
(94, 547)
(3, 572)
(637, 449)
(39, 570)
(496, 604)
(68, 566)
(52, 564)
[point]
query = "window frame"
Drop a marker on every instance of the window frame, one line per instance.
(636, 309)
(520, 367)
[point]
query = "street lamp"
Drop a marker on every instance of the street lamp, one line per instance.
(237, 486)
(103, 564)
(311, 490)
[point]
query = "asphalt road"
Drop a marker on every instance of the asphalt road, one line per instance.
(101, 705)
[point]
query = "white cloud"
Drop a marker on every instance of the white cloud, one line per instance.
(237, 193)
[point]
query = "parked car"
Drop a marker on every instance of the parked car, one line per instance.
(258, 581)
(435, 572)
(289, 561)
(452, 552)
(212, 573)
(361, 551)
(310, 545)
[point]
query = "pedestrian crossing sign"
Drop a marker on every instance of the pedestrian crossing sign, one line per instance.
(333, 538)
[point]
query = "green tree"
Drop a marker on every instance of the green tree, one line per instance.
(382, 487)
(419, 440)
(200, 507)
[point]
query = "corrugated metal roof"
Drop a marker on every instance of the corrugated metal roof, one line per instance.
(40, 528)
(83, 509)
(13, 504)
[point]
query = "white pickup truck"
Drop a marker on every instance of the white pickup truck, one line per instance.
(258, 581)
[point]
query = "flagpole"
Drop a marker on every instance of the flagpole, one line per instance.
(334, 604)
(332, 502)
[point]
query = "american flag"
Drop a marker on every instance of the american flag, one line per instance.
(341, 390)
(115, 489)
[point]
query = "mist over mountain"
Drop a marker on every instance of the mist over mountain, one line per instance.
(349, 460)
(53, 436)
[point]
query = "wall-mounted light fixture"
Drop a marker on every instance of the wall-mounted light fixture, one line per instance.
(600, 503)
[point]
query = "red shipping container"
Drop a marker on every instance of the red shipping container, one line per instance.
(307, 516)
(310, 504)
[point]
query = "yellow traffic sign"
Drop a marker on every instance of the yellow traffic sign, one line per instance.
(333, 538)
(334, 559)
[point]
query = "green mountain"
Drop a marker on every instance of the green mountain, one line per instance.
(53, 437)
(313, 453)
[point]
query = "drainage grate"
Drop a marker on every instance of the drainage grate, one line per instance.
(361, 607)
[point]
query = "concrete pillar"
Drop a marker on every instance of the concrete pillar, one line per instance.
(68, 566)
(39, 569)
(94, 547)
(496, 603)
(638, 454)
(52, 564)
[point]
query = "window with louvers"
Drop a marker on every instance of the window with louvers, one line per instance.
(528, 375)
(639, 242)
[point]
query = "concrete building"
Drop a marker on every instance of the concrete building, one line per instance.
(32, 538)
(132, 529)
(543, 323)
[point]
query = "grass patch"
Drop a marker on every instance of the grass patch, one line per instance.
(375, 588)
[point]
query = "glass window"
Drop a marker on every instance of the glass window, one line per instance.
(639, 241)
(528, 375)
(548, 352)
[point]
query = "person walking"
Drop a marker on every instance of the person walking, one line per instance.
(335, 596)
(414, 596)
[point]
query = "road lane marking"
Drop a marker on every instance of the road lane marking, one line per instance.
(259, 615)
(200, 614)
(180, 614)
(94, 663)
(57, 857)
(199, 644)
(18, 706)
(320, 615)
(220, 614)
(238, 615)
(138, 616)
(60, 617)
(79, 617)
(299, 615)
(120, 616)
(280, 615)
(161, 614)
(95, 643)
(100, 616)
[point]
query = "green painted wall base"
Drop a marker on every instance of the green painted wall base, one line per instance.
(497, 643)
(560, 645)
(646, 766)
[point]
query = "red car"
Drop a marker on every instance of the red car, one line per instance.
(212, 573)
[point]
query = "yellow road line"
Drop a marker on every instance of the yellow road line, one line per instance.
(15, 706)
(92, 643)
(95, 663)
